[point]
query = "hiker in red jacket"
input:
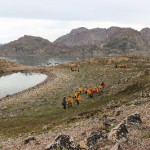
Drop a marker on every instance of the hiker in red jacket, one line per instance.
(103, 84)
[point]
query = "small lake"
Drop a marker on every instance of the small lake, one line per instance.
(46, 60)
(18, 82)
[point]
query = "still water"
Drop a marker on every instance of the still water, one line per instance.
(18, 82)
(45, 60)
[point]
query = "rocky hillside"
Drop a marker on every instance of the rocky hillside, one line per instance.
(125, 40)
(145, 32)
(30, 45)
(25, 45)
(82, 36)
(114, 40)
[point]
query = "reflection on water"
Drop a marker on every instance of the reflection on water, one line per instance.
(45, 60)
(18, 82)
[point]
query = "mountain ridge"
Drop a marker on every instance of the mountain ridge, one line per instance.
(113, 40)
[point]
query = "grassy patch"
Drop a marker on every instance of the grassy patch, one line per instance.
(46, 109)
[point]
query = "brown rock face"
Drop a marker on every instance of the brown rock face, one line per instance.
(25, 45)
(83, 41)
(145, 32)
(111, 40)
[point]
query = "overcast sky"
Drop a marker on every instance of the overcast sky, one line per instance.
(52, 18)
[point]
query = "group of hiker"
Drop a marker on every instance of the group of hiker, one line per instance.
(68, 102)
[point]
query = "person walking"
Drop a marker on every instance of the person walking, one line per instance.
(70, 101)
(78, 98)
(64, 102)
(80, 89)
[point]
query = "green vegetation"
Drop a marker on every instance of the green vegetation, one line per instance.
(30, 115)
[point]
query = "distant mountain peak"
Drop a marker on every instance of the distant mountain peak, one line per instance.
(78, 30)
(145, 31)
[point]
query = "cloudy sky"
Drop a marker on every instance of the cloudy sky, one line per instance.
(52, 18)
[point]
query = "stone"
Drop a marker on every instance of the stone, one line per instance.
(107, 122)
(94, 138)
(122, 131)
(45, 127)
(28, 139)
(137, 103)
(62, 142)
(112, 104)
(82, 145)
(118, 132)
(118, 112)
(134, 119)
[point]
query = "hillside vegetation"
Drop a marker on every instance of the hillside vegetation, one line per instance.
(39, 109)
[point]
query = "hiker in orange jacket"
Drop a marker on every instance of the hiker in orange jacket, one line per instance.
(98, 91)
(90, 93)
(78, 98)
(80, 90)
(86, 90)
(70, 101)
(75, 94)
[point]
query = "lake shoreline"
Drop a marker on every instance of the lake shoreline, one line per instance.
(27, 69)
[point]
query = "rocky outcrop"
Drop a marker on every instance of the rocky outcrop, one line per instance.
(134, 119)
(94, 138)
(82, 36)
(126, 40)
(29, 139)
(112, 40)
(118, 132)
(145, 32)
(62, 142)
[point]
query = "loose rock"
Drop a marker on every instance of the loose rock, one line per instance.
(62, 142)
(30, 138)
(94, 138)
(119, 132)
(134, 119)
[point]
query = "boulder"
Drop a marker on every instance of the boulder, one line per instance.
(62, 142)
(118, 132)
(121, 131)
(94, 138)
(134, 119)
